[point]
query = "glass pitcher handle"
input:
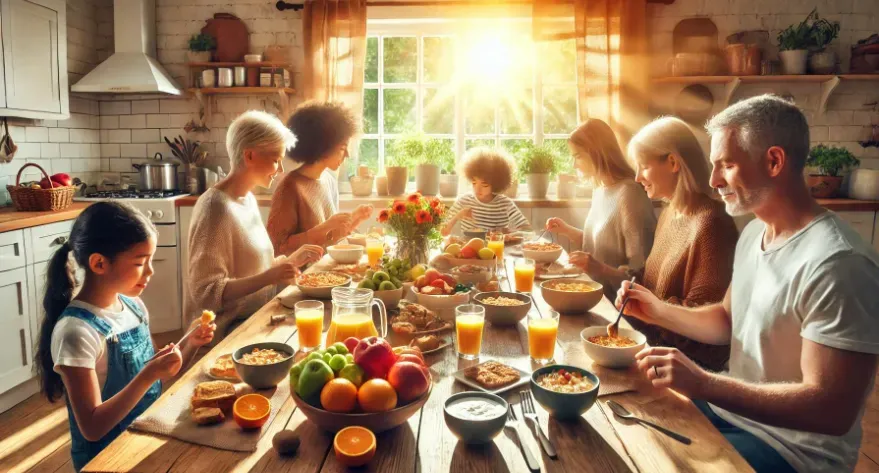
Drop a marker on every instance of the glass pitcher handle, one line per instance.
(383, 331)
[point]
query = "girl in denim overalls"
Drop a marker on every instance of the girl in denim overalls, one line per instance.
(96, 348)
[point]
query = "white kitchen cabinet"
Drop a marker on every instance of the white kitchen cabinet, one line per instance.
(12, 253)
(16, 349)
(862, 222)
(34, 66)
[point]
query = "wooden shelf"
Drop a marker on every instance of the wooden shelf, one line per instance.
(279, 65)
(241, 90)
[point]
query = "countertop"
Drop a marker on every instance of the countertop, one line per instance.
(11, 220)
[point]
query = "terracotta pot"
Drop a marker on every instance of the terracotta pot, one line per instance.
(823, 187)
(538, 185)
(427, 178)
(397, 178)
(381, 185)
(448, 185)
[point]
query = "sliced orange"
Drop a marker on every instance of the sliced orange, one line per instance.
(251, 411)
(354, 446)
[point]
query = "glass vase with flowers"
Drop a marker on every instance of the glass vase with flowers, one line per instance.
(415, 222)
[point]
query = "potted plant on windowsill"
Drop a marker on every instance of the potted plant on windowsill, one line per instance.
(539, 164)
(448, 180)
(397, 167)
(200, 47)
(829, 162)
(793, 46)
(823, 33)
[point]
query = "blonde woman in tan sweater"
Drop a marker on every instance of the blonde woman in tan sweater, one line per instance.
(232, 266)
(618, 233)
(691, 260)
(305, 206)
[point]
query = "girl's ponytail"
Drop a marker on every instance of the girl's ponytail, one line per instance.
(105, 228)
(59, 291)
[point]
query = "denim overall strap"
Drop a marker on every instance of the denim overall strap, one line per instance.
(127, 353)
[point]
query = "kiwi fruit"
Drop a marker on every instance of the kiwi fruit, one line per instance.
(286, 442)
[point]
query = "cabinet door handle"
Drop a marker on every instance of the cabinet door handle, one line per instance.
(59, 241)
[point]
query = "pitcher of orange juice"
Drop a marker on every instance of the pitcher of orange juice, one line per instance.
(352, 315)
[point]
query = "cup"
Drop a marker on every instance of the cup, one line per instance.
(208, 78)
(224, 77)
(309, 324)
(523, 273)
(469, 322)
(375, 249)
(240, 76)
(496, 243)
(542, 334)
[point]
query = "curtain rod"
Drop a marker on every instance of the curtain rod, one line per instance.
(282, 5)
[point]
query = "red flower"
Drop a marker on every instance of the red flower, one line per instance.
(383, 216)
(435, 203)
(399, 207)
(423, 216)
(414, 198)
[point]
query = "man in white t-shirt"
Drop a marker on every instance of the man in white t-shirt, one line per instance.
(801, 314)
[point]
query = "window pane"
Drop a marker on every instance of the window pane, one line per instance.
(369, 154)
(441, 151)
(439, 59)
(558, 61)
(439, 111)
(478, 114)
(370, 111)
(399, 110)
(515, 148)
(370, 73)
(560, 146)
(487, 142)
(559, 109)
(400, 59)
(516, 112)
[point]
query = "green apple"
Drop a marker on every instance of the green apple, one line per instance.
(327, 357)
(380, 276)
(349, 357)
(315, 374)
(353, 373)
(367, 284)
(337, 362)
(295, 372)
(315, 355)
(332, 350)
(340, 348)
(386, 286)
(397, 283)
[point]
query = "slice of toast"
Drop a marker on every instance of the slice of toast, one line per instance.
(207, 415)
(492, 374)
(219, 394)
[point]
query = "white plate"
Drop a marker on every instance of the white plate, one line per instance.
(524, 378)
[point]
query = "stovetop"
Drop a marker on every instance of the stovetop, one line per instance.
(134, 194)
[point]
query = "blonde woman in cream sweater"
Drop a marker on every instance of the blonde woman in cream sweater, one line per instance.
(618, 233)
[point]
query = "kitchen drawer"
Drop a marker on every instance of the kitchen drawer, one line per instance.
(862, 222)
(45, 240)
(12, 253)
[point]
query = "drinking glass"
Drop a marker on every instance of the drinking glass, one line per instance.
(469, 322)
(523, 272)
(542, 333)
(375, 249)
(309, 323)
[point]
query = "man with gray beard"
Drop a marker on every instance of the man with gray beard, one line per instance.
(800, 314)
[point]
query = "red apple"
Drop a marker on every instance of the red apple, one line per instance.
(351, 343)
(438, 283)
(409, 379)
(375, 355)
(448, 279)
(411, 358)
(468, 253)
(431, 275)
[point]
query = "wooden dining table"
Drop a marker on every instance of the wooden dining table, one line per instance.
(598, 441)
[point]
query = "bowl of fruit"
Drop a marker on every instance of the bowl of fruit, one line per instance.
(437, 291)
(389, 282)
(473, 252)
(542, 252)
(360, 382)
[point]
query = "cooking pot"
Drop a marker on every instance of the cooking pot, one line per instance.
(157, 175)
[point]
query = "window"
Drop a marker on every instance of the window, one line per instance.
(488, 85)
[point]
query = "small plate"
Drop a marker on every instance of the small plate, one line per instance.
(462, 378)
(207, 371)
(445, 343)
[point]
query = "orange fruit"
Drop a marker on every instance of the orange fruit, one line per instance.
(354, 446)
(377, 395)
(251, 411)
(339, 395)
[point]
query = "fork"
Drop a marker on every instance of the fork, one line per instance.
(530, 414)
(513, 423)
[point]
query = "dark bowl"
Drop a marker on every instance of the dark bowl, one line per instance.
(504, 315)
(264, 376)
(564, 405)
(472, 430)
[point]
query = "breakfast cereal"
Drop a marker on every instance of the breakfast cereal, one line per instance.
(563, 381)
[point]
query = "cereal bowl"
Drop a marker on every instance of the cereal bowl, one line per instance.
(542, 252)
(442, 303)
(475, 426)
(564, 405)
(346, 253)
(611, 356)
(587, 295)
(263, 376)
(358, 239)
(319, 285)
(502, 315)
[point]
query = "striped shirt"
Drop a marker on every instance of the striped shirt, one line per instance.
(498, 214)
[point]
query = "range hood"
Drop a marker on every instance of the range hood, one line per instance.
(133, 67)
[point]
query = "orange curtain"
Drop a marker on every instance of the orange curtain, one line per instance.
(612, 60)
(334, 37)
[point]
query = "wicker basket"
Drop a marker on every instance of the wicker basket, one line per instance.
(27, 199)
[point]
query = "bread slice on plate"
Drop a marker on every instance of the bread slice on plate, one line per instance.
(218, 394)
(207, 415)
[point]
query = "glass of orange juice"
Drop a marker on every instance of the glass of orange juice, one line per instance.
(375, 249)
(523, 272)
(542, 332)
(469, 321)
(309, 323)
(496, 244)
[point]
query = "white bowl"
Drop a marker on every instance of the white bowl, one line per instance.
(323, 292)
(346, 253)
(357, 239)
(612, 357)
(438, 303)
(542, 256)
(471, 278)
(251, 58)
(390, 298)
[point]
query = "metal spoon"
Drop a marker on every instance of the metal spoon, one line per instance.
(621, 411)
(614, 329)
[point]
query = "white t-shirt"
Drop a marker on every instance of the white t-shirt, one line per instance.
(76, 343)
(822, 285)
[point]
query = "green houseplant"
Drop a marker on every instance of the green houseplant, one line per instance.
(793, 46)
(823, 33)
(539, 164)
(403, 155)
(829, 162)
(200, 47)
